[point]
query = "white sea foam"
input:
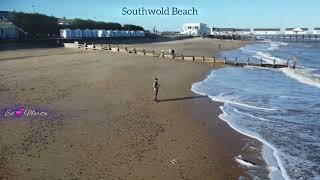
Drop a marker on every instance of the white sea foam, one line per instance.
(303, 75)
(240, 160)
(249, 115)
(267, 57)
(225, 100)
(274, 150)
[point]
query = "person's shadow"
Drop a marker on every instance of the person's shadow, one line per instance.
(183, 98)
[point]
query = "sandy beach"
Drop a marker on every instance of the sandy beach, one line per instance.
(102, 122)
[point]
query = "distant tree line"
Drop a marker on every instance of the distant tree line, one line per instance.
(42, 25)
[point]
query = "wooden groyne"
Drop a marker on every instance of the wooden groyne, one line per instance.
(161, 55)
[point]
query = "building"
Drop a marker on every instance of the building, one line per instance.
(296, 31)
(195, 29)
(222, 31)
(316, 31)
(8, 31)
(242, 31)
(101, 33)
(64, 21)
(4, 15)
(267, 31)
(170, 33)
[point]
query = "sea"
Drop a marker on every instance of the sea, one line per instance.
(278, 107)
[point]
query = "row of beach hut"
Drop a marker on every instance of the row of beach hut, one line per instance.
(95, 33)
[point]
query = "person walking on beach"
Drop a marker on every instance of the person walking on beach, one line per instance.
(156, 89)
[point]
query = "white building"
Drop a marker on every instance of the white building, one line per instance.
(295, 31)
(242, 31)
(267, 31)
(316, 31)
(195, 29)
(222, 31)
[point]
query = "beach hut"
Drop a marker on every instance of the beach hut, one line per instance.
(65, 33)
(115, 33)
(122, 33)
(101, 33)
(108, 33)
(141, 33)
(132, 33)
(78, 33)
(127, 33)
(94, 33)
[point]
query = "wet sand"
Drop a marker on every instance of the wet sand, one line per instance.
(103, 124)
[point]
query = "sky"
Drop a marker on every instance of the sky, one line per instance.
(217, 13)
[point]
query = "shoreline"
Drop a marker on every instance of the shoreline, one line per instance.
(203, 146)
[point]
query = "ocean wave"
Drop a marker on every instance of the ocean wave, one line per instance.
(226, 100)
(283, 172)
(252, 116)
(303, 75)
(267, 57)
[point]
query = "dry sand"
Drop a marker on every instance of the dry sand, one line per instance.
(103, 124)
(191, 47)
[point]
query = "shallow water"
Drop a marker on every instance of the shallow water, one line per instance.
(280, 107)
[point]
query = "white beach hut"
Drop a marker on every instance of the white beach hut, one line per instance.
(65, 33)
(101, 33)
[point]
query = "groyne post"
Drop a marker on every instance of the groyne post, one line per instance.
(248, 61)
(203, 59)
(144, 52)
(134, 51)
(182, 57)
(109, 47)
(193, 58)
(274, 63)
(152, 52)
(162, 54)
(118, 48)
(236, 61)
(214, 59)
(85, 45)
(225, 60)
